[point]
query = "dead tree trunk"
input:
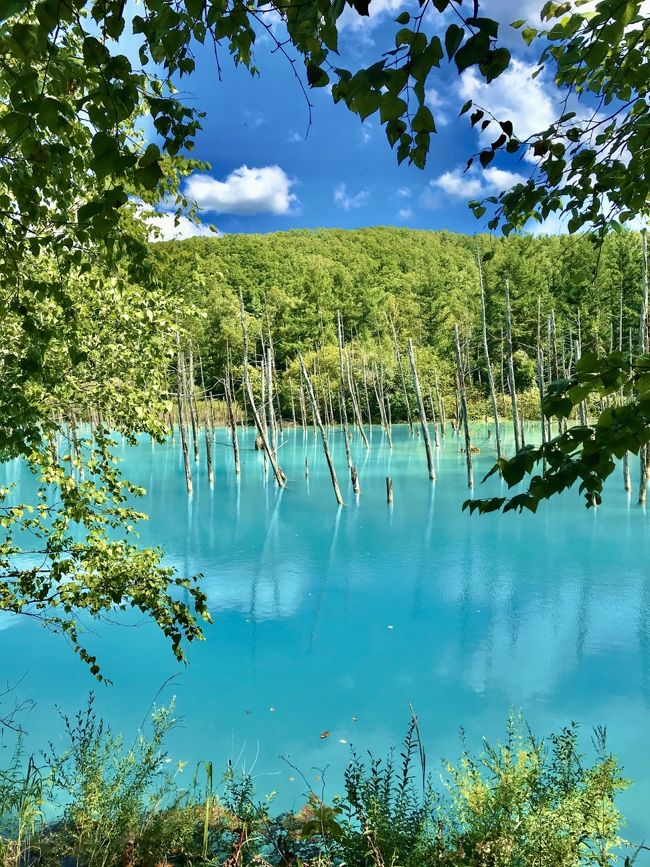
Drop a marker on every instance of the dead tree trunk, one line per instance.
(191, 403)
(423, 415)
(356, 409)
(181, 424)
(208, 443)
(511, 372)
(232, 421)
(354, 476)
(398, 357)
(441, 405)
(463, 410)
(365, 388)
(271, 408)
(488, 362)
(317, 419)
(643, 348)
(436, 439)
(277, 472)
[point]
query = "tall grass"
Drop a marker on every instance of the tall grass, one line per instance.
(521, 803)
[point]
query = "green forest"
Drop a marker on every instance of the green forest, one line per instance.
(390, 284)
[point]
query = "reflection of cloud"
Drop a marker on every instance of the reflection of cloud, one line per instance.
(278, 592)
(8, 620)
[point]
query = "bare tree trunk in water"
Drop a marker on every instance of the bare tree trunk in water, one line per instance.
(463, 410)
(423, 415)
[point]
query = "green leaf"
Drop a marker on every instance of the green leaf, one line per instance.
(423, 120)
(528, 34)
(453, 39)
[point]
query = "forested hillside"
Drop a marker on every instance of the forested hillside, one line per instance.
(392, 283)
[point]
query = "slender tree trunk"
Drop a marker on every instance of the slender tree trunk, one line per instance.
(277, 472)
(463, 410)
(398, 357)
(181, 424)
(582, 410)
(354, 476)
(356, 410)
(232, 421)
(271, 408)
(303, 409)
(317, 418)
(365, 388)
(488, 362)
(423, 415)
(511, 373)
(191, 404)
(436, 439)
(441, 405)
(208, 442)
(643, 348)
(540, 385)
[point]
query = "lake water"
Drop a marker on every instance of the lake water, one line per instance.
(335, 620)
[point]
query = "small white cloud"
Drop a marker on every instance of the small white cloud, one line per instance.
(554, 224)
(346, 201)
(167, 227)
(254, 119)
(437, 102)
(367, 130)
(404, 192)
(295, 137)
(405, 213)
(472, 184)
(245, 191)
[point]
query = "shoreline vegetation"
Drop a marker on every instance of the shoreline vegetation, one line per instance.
(102, 802)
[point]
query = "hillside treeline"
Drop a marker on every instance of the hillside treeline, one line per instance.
(390, 284)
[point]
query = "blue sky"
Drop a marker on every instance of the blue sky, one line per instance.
(266, 176)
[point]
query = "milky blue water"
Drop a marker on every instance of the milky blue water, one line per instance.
(335, 620)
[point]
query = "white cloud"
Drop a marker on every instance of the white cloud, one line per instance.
(472, 184)
(404, 192)
(405, 213)
(167, 227)
(437, 102)
(378, 9)
(253, 118)
(245, 191)
(295, 137)
(528, 102)
(367, 129)
(346, 201)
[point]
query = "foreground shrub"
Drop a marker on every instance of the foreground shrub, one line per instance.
(521, 803)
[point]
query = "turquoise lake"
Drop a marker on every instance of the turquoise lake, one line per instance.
(330, 619)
